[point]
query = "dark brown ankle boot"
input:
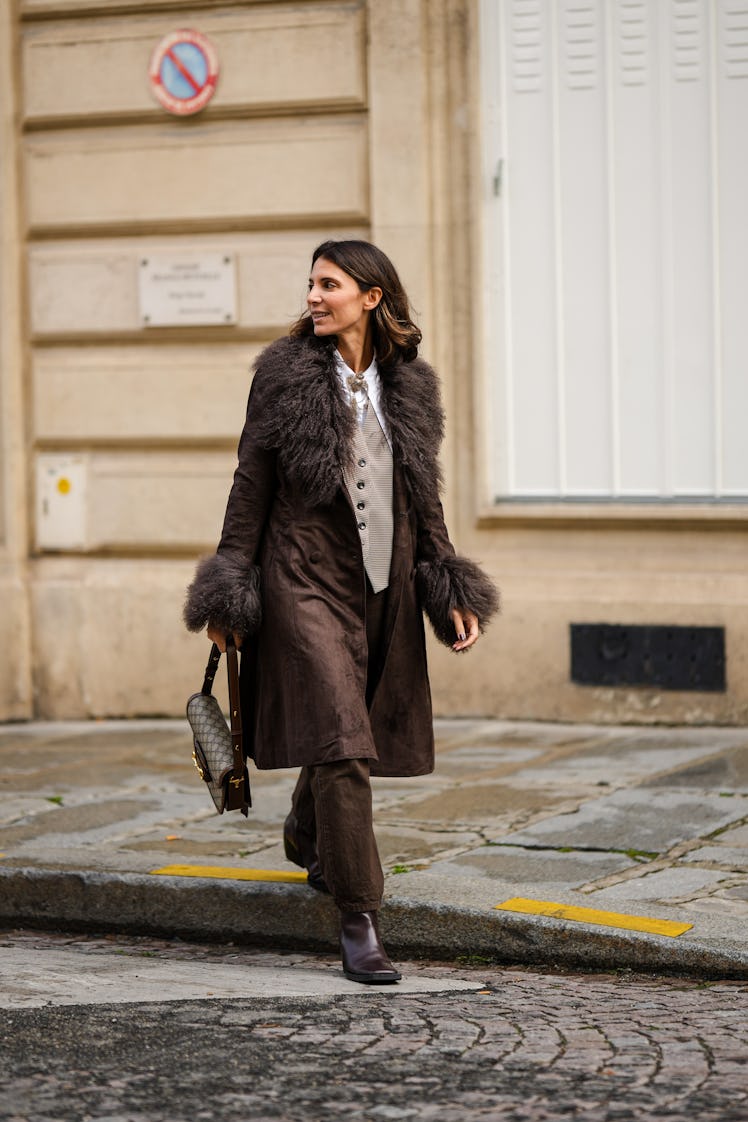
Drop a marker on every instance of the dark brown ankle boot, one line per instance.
(364, 958)
(302, 851)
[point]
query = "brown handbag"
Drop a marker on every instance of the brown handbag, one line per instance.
(218, 753)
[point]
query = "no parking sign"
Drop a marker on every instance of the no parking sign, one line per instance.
(184, 72)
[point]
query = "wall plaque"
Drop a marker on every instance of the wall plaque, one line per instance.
(181, 290)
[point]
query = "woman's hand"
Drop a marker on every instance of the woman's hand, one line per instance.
(219, 638)
(466, 628)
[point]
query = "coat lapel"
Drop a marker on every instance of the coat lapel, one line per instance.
(310, 424)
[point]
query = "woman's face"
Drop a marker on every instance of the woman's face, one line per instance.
(336, 303)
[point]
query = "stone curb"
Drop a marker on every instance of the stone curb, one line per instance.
(291, 917)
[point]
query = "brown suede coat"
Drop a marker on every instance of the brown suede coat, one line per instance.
(289, 574)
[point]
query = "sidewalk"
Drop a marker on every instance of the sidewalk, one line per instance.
(639, 822)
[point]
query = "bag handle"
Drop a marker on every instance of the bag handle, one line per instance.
(235, 707)
(210, 670)
(232, 665)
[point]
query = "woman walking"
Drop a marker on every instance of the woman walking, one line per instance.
(333, 545)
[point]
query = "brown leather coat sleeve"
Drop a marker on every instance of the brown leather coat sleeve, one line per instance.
(226, 591)
(253, 488)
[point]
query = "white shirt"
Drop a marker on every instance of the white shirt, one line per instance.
(372, 394)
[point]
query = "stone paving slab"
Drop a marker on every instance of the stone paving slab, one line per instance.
(596, 816)
(635, 820)
(726, 856)
(613, 763)
(63, 976)
(671, 886)
(726, 771)
(735, 835)
(513, 864)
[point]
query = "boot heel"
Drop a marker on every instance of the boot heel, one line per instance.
(364, 958)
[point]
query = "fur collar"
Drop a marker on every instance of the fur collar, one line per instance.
(306, 418)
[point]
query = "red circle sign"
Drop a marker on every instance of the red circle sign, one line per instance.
(184, 72)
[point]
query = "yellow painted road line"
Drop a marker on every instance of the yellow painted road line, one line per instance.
(220, 872)
(590, 915)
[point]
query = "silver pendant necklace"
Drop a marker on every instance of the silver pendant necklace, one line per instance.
(356, 382)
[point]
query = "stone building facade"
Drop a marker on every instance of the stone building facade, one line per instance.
(432, 127)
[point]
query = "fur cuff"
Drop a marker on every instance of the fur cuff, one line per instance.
(225, 594)
(454, 582)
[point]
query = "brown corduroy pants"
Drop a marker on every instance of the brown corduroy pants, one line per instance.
(332, 802)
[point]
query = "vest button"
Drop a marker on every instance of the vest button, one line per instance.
(362, 525)
(360, 506)
(362, 463)
(360, 484)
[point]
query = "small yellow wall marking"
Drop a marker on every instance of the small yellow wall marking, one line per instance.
(590, 915)
(220, 872)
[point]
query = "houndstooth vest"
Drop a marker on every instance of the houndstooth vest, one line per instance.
(369, 483)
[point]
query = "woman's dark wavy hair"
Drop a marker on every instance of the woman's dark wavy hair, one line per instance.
(394, 334)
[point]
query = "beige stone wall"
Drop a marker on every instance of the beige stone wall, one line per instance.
(323, 124)
(332, 117)
(15, 638)
(149, 418)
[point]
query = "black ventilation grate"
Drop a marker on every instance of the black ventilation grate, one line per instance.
(671, 658)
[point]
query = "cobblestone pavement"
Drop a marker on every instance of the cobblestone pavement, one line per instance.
(526, 1046)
